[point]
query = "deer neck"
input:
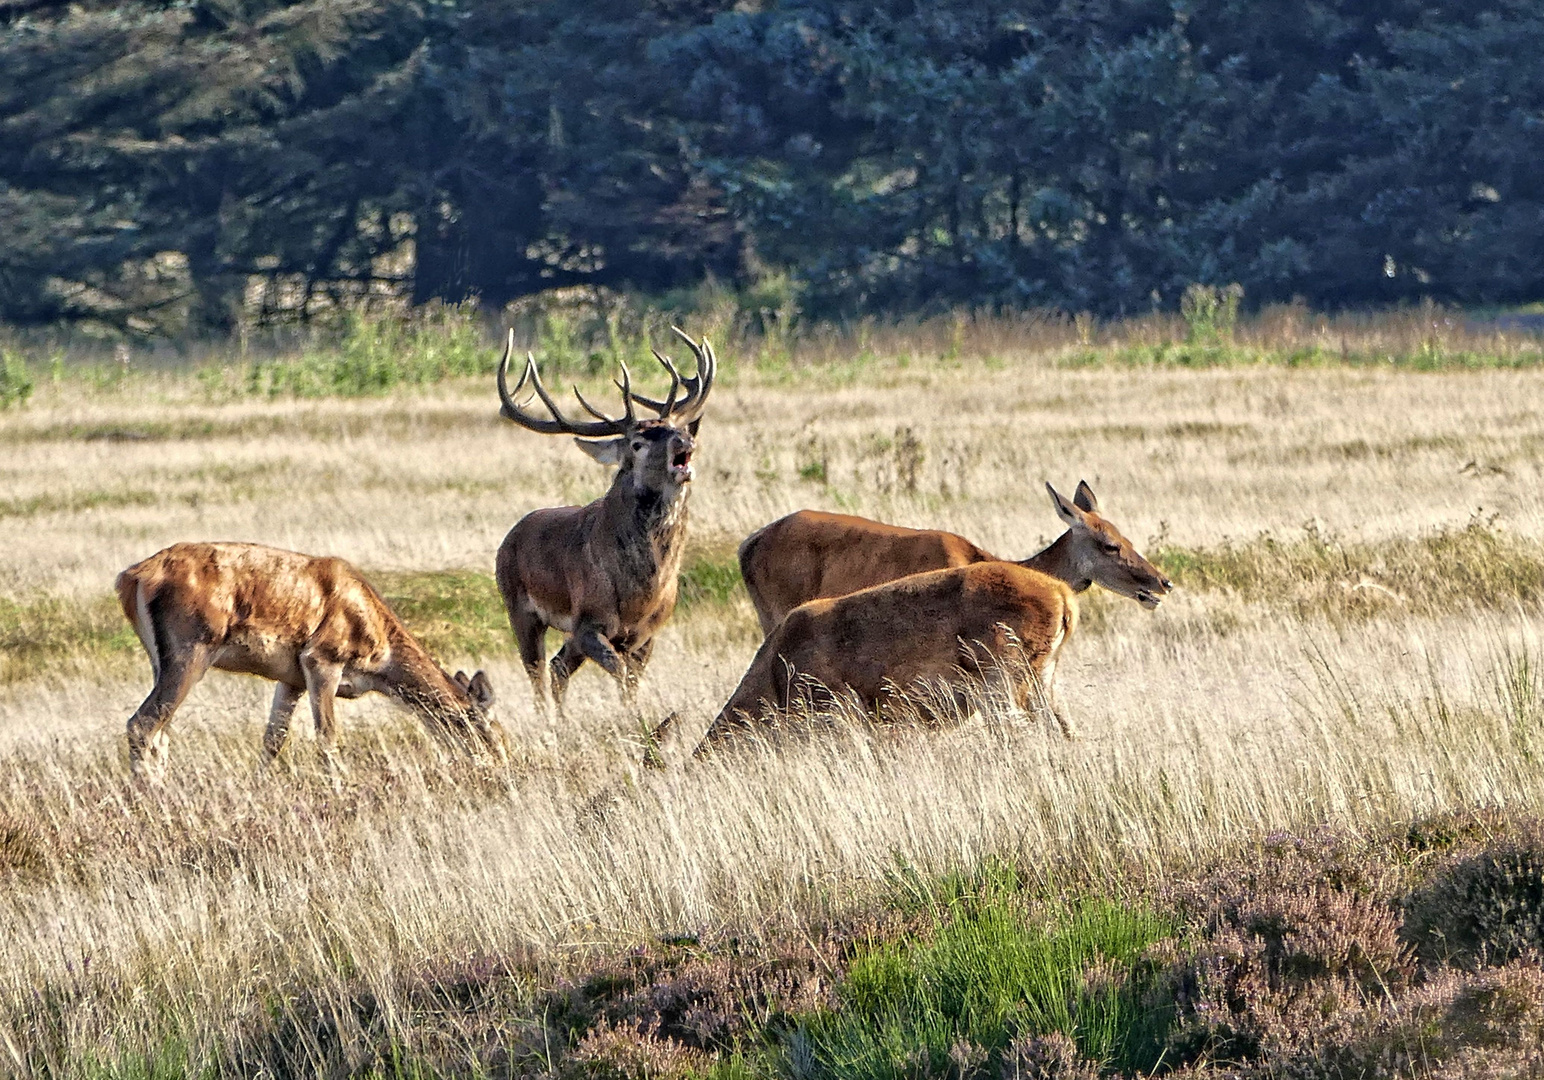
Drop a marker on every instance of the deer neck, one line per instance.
(1058, 560)
(649, 526)
(416, 679)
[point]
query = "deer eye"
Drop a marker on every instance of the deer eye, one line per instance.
(1110, 548)
(637, 445)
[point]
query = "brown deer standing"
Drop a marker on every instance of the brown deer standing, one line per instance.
(974, 622)
(812, 554)
(312, 625)
(604, 574)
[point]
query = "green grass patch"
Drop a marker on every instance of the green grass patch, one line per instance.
(75, 501)
(16, 384)
(1319, 574)
(453, 612)
(371, 356)
(38, 630)
(710, 576)
(994, 970)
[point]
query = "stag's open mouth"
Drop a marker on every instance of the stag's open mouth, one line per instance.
(681, 465)
(1149, 600)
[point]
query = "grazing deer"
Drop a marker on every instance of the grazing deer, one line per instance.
(983, 620)
(312, 625)
(811, 554)
(604, 574)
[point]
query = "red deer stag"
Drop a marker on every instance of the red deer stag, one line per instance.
(604, 574)
(312, 625)
(811, 554)
(962, 623)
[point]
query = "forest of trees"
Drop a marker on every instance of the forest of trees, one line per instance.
(157, 157)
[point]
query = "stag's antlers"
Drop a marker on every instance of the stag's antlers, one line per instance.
(686, 410)
(690, 407)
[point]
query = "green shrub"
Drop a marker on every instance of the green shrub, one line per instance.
(1210, 313)
(15, 380)
(378, 353)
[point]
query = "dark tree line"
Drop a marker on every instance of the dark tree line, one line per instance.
(886, 155)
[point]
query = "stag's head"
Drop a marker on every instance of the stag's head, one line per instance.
(1099, 553)
(656, 451)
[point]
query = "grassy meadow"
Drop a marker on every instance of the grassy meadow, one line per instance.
(1299, 834)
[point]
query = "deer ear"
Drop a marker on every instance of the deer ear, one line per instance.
(481, 690)
(608, 452)
(691, 428)
(460, 679)
(1084, 498)
(1064, 509)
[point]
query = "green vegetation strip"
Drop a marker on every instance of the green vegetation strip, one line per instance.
(989, 972)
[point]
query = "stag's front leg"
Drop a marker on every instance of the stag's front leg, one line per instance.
(570, 658)
(589, 643)
(285, 698)
(637, 660)
(322, 679)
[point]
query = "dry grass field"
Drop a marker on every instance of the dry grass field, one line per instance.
(1354, 643)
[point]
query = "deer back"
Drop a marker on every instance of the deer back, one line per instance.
(811, 554)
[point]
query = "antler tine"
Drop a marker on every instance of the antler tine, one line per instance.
(675, 381)
(666, 407)
(626, 386)
(591, 409)
(628, 421)
(698, 386)
(510, 409)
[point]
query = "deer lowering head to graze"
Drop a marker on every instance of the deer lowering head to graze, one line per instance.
(605, 574)
(312, 625)
(982, 620)
(811, 554)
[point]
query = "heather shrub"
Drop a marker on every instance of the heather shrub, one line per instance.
(688, 998)
(1295, 941)
(1482, 907)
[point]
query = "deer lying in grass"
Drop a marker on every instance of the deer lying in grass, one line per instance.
(604, 574)
(978, 622)
(312, 625)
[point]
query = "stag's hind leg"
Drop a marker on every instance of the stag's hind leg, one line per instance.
(148, 741)
(285, 698)
(531, 637)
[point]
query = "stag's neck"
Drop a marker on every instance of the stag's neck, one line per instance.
(649, 526)
(1056, 561)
